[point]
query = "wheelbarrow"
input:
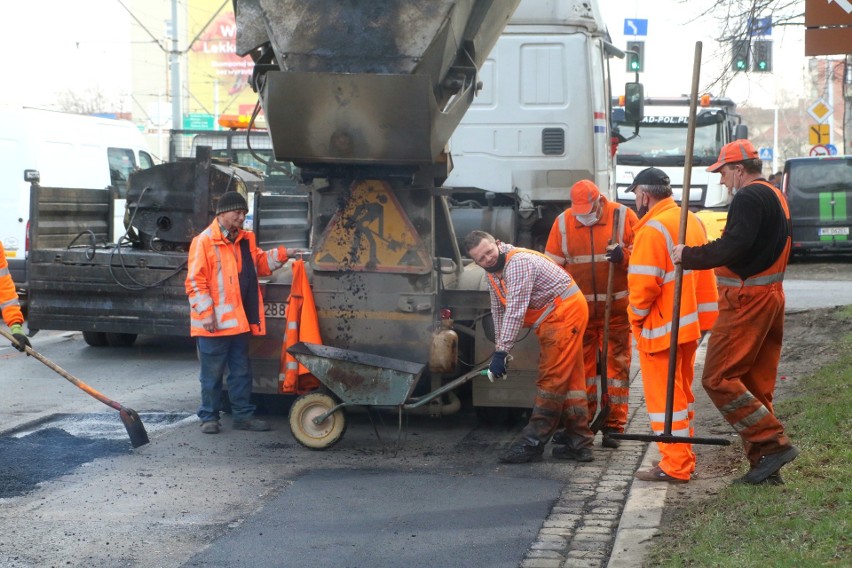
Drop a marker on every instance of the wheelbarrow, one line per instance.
(353, 378)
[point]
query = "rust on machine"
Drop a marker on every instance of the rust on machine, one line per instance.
(384, 82)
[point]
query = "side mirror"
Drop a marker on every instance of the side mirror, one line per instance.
(634, 102)
(740, 132)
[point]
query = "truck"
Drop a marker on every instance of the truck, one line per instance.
(367, 114)
(661, 142)
(67, 150)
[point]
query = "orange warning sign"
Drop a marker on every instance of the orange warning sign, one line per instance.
(372, 233)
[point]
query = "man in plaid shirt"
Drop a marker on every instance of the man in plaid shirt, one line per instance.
(530, 290)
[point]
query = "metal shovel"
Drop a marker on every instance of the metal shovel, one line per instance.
(132, 422)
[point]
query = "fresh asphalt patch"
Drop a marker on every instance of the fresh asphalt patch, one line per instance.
(379, 518)
(57, 446)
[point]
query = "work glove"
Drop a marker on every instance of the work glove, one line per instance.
(497, 368)
(23, 340)
(615, 254)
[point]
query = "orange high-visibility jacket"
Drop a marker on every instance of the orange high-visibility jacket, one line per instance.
(213, 283)
(582, 251)
(775, 273)
(651, 281)
(302, 325)
(9, 304)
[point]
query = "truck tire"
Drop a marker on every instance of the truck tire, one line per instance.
(120, 339)
(316, 436)
(95, 338)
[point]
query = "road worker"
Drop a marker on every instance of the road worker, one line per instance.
(580, 241)
(651, 284)
(227, 309)
(530, 290)
(745, 345)
(10, 306)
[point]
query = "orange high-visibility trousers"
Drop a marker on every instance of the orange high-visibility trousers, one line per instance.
(618, 367)
(678, 460)
(742, 363)
(561, 385)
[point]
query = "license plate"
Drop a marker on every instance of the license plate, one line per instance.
(275, 309)
(833, 231)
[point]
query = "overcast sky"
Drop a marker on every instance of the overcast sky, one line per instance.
(51, 46)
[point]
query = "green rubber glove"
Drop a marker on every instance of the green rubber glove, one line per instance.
(23, 340)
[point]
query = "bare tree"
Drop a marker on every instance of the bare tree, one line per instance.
(737, 19)
(90, 101)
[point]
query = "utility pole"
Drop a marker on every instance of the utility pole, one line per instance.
(174, 64)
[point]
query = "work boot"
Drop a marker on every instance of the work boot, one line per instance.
(560, 437)
(522, 453)
(774, 479)
(657, 474)
(210, 427)
(770, 464)
(252, 425)
(607, 441)
(566, 453)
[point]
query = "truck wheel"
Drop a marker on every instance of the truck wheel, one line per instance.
(95, 338)
(316, 436)
(120, 339)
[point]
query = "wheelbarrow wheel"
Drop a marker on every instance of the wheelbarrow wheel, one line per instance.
(316, 436)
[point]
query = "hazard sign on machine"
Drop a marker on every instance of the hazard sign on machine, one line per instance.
(372, 233)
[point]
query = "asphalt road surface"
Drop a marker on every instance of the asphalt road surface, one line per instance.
(73, 493)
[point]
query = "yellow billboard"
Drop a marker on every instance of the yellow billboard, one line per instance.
(217, 78)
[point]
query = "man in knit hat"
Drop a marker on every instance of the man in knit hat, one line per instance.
(227, 309)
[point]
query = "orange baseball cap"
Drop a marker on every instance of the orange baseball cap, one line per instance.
(583, 196)
(733, 152)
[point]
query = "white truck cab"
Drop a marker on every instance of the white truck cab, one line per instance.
(661, 143)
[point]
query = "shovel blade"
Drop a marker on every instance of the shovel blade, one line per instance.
(135, 428)
(600, 419)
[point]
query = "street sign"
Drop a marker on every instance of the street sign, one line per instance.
(818, 134)
(634, 27)
(198, 122)
(819, 150)
(832, 149)
(828, 27)
(765, 154)
(820, 110)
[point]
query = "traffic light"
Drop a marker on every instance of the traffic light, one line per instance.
(635, 56)
(762, 60)
(740, 50)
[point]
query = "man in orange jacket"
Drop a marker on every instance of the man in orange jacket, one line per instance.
(227, 309)
(10, 306)
(745, 344)
(580, 242)
(529, 290)
(651, 281)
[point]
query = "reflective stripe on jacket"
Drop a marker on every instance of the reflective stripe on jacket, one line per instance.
(9, 304)
(533, 317)
(775, 272)
(651, 280)
(213, 282)
(582, 251)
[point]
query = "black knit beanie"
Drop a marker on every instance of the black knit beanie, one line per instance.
(231, 201)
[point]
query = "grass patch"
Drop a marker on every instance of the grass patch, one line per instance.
(801, 524)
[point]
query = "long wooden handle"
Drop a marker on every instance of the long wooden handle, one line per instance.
(74, 380)
(610, 284)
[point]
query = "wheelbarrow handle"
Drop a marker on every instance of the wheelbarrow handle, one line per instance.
(428, 397)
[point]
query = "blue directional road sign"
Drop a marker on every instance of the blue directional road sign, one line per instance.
(633, 27)
(832, 149)
(765, 154)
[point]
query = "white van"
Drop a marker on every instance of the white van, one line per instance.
(67, 150)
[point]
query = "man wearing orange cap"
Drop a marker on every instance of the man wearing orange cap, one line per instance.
(745, 345)
(579, 241)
